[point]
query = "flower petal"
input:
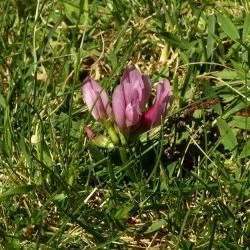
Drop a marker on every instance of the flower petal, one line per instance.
(137, 82)
(162, 103)
(96, 99)
(129, 98)
(119, 106)
(132, 115)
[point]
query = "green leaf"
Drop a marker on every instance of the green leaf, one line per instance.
(246, 150)
(156, 225)
(228, 27)
(175, 41)
(112, 55)
(210, 36)
(59, 197)
(246, 27)
(102, 141)
(228, 138)
(25, 150)
(188, 245)
(241, 122)
(16, 191)
(210, 94)
(2, 102)
(77, 12)
(123, 212)
(96, 153)
(233, 107)
(7, 137)
(241, 73)
(226, 74)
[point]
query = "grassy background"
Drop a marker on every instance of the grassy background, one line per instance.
(191, 188)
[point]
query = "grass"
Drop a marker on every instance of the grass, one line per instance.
(191, 182)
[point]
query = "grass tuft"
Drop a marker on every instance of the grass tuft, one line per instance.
(190, 181)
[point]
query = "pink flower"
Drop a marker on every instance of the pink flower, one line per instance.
(129, 104)
(164, 98)
(96, 99)
(130, 97)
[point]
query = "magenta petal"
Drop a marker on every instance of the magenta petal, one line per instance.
(130, 98)
(127, 99)
(119, 106)
(96, 99)
(132, 114)
(138, 83)
(147, 90)
(161, 104)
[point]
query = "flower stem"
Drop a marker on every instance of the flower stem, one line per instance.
(124, 158)
(123, 155)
